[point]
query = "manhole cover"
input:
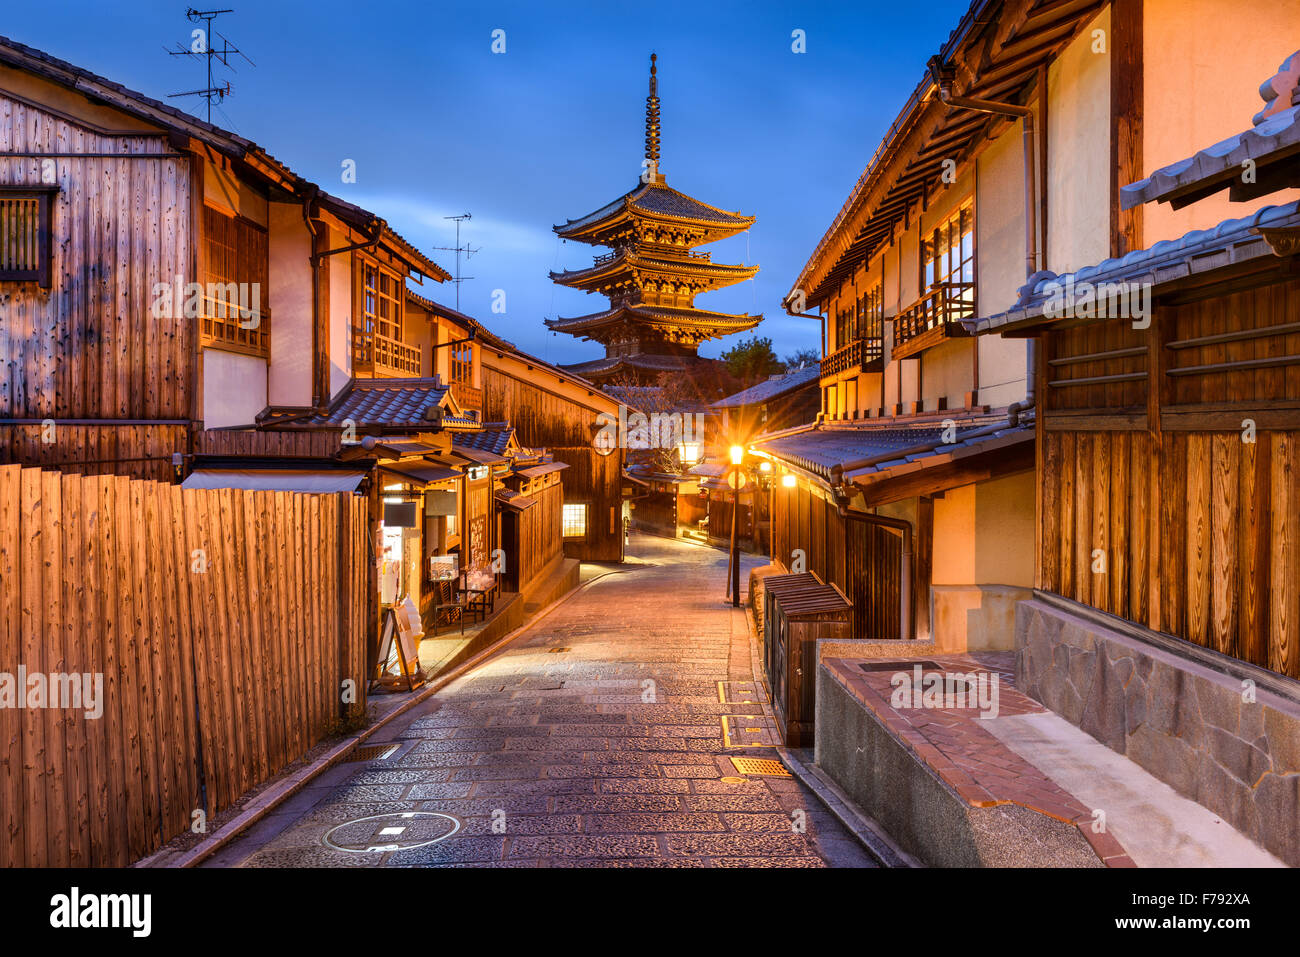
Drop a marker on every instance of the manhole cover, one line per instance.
(760, 766)
(401, 831)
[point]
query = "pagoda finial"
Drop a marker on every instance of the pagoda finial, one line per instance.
(652, 121)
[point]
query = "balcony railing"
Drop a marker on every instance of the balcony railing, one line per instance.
(223, 325)
(378, 355)
(467, 397)
(934, 317)
(860, 355)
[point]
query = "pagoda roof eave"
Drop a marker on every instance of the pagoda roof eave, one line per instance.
(624, 263)
(655, 201)
(666, 317)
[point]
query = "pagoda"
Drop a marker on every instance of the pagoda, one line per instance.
(652, 274)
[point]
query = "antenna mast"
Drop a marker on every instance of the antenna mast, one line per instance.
(458, 249)
(201, 46)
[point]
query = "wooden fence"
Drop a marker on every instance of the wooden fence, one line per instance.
(224, 624)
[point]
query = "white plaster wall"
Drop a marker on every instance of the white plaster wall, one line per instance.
(234, 388)
(1078, 152)
(340, 312)
(291, 307)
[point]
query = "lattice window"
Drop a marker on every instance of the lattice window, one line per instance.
(25, 235)
(573, 521)
(462, 363)
(871, 313)
(236, 282)
(382, 302)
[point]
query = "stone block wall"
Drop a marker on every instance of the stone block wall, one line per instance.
(1187, 722)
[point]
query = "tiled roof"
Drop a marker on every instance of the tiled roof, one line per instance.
(1232, 241)
(669, 315)
(629, 260)
(645, 362)
(388, 403)
(774, 386)
(1218, 166)
(877, 449)
(657, 199)
(495, 438)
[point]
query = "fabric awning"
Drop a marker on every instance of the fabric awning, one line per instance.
(276, 480)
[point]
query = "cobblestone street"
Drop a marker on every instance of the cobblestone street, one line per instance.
(602, 736)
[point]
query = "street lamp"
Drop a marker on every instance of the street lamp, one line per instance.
(737, 457)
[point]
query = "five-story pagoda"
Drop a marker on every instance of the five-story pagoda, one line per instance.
(652, 274)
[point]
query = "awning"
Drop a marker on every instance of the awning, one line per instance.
(421, 473)
(514, 500)
(537, 471)
(276, 480)
(479, 455)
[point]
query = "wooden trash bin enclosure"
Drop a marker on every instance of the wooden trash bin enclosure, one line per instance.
(797, 611)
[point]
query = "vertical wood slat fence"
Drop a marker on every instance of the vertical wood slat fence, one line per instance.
(224, 624)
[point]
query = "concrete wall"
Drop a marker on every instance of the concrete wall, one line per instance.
(234, 388)
(1078, 152)
(1204, 61)
(290, 299)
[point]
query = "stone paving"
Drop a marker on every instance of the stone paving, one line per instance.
(596, 739)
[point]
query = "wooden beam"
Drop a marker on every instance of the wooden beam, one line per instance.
(1126, 92)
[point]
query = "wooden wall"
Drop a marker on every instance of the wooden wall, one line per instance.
(288, 444)
(137, 451)
(862, 560)
(538, 541)
(90, 346)
(543, 418)
(1173, 499)
(223, 623)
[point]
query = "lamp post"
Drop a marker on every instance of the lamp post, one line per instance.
(737, 456)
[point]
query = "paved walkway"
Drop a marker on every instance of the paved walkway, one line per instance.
(603, 736)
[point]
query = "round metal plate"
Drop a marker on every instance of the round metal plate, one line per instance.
(400, 831)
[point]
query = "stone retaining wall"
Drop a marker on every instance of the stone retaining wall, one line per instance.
(1181, 716)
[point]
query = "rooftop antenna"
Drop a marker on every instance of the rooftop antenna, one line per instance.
(201, 45)
(458, 249)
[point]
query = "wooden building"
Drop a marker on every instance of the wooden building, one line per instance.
(1168, 492)
(652, 274)
(180, 279)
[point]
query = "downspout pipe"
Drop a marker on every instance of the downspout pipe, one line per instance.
(821, 320)
(905, 623)
(943, 76)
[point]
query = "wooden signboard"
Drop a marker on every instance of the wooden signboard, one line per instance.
(399, 658)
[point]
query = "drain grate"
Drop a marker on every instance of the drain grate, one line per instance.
(372, 752)
(906, 665)
(557, 651)
(764, 766)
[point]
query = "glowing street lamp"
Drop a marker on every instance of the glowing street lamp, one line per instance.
(737, 457)
(788, 480)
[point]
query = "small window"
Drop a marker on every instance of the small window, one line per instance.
(573, 522)
(25, 234)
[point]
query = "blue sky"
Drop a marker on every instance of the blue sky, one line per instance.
(549, 130)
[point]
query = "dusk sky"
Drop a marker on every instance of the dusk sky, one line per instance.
(549, 130)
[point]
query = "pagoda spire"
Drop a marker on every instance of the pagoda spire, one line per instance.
(652, 124)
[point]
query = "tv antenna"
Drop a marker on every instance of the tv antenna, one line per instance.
(458, 249)
(201, 45)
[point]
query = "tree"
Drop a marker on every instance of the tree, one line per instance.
(752, 360)
(802, 357)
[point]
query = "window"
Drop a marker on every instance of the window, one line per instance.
(462, 363)
(235, 314)
(871, 312)
(948, 252)
(25, 234)
(573, 520)
(382, 302)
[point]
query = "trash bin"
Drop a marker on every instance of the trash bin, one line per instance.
(798, 610)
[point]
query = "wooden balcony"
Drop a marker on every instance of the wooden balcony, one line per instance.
(934, 317)
(377, 355)
(860, 355)
(467, 397)
(223, 326)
